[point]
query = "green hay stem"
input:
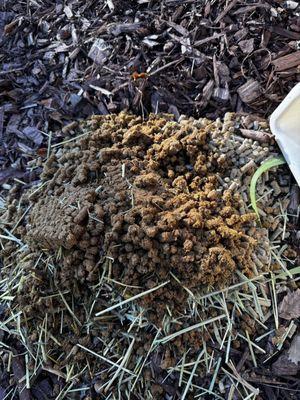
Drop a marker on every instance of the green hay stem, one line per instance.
(273, 162)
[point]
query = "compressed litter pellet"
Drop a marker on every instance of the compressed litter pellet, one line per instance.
(129, 207)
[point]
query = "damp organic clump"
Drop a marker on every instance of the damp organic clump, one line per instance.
(156, 211)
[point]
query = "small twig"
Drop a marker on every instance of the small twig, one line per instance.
(19, 372)
(166, 66)
(131, 299)
(226, 10)
(259, 136)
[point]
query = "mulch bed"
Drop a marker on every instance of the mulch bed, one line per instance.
(64, 61)
(108, 259)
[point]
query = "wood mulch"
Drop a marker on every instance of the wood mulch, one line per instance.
(61, 61)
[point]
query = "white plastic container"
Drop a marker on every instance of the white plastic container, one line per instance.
(285, 125)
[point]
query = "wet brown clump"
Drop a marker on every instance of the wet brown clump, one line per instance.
(147, 198)
(129, 206)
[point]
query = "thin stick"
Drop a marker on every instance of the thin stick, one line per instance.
(251, 349)
(166, 66)
(70, 140)
(235, 286)
(274, 302)
(20, 219)
(105, 359)
(190, 328)
(69, 309)
(49, 144)
(27, 372)
(212, 384)
(187, 387)
(145, 359)
(131, 299)
(123, 363)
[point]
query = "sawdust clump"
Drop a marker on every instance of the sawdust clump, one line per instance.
(145, 197)
(125, 208)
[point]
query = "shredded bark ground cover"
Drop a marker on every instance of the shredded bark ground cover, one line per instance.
(64, 60)
(136, 268)
(191, 327)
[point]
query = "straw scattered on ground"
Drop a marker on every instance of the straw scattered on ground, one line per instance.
(137, 266)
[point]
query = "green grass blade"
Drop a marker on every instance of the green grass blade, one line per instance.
(273, 162)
